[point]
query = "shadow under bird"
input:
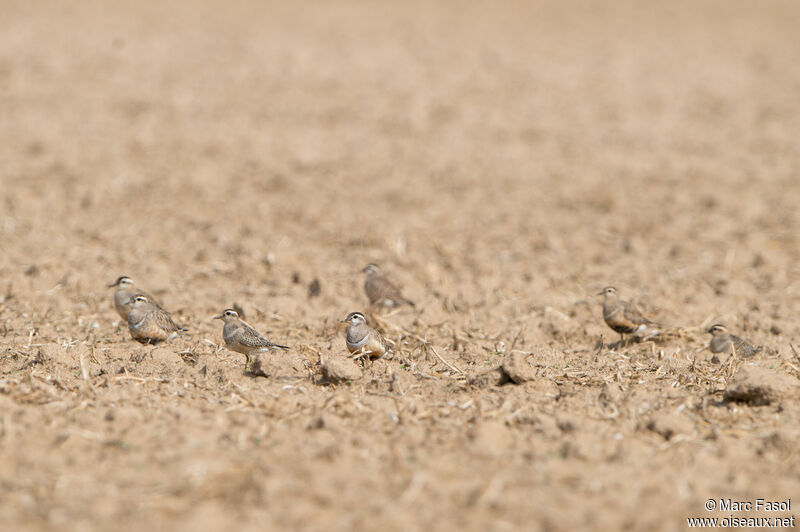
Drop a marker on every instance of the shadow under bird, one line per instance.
(148, 323)
(622, 316)
(722, 341)
(381, 291)
(361, 339)
(242, 338)
(125, 290)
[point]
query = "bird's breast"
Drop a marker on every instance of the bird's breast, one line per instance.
(354, 342)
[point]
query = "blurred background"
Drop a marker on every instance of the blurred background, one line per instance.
(519, 132)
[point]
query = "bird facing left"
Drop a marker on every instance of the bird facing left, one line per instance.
(148, 323)
(242, 338)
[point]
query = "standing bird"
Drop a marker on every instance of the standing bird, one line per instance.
(722, 341)
(381, 291)
(125, 291)
(242, 338)
(149, 323)
(363, 340)
(622, 316)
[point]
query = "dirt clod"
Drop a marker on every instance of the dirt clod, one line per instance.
(490, 377)
(278, 365)
(314, 288)
(757, 386)
(339, 369)
(516, 366)
(670, 424)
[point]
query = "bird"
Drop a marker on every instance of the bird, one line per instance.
(381, 291)
(125, 290)
(363, 340)
(622, 316)
(149, 323)
(242, 338)
(722, 341)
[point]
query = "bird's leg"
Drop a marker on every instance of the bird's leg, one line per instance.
(153, 347)
(730, 363)
(734, 358)
(652, 347)
(361, 354)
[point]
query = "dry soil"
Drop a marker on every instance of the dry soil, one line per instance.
(503, 161)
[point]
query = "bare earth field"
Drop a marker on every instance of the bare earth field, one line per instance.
(502, 161)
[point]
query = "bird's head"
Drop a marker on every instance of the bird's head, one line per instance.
(355, 318)
(371, 269)
(123, 283)
(138, 301)
(608, 291)
(717, 329)
(227, 315)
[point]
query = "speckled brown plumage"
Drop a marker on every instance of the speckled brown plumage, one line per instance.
(242, 338)
(722, 341)
(381, 291)
(622, 316)
(125, 290)
(148, 323)
(361, 339)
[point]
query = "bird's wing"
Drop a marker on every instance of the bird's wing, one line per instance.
(164, 320)
(251, 338)
(388, 290)
(742, 347)
(634, 313)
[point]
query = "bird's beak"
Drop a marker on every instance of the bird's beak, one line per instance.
(601, 292)
(112, 285)
(342, 321)
(217, 317)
